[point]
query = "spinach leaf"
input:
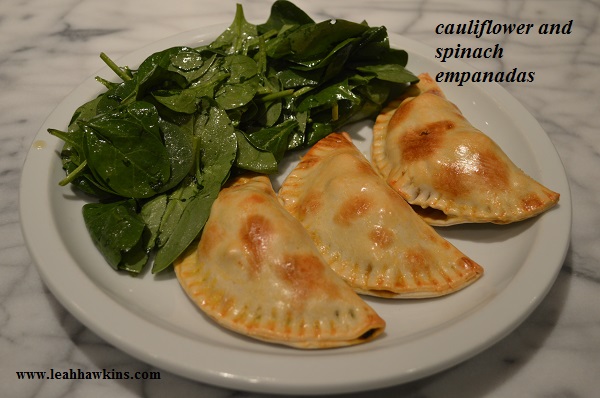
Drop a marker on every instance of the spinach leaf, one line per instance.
(152, 213)
(284, 13)
(235, 40)
(311, 42)
(216, 145)
(242, 84)
(372, 46)
(156, 72)
(328, 96)
(274, 139)
(183, 101)
(389, 72)
(116, 229)
(193, 66)
(186, 213)
(115, 97)
(179, 143)
(85, 112)
(134, 260)
(252, 158)
(125, 153)
(316, 131)
(295, 78)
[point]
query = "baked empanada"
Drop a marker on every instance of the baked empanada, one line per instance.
(366, 231)
(447, 169)
(257, 272)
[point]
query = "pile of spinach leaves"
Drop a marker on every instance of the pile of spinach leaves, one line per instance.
(156, 148)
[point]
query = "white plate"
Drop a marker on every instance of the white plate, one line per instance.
(151, 318)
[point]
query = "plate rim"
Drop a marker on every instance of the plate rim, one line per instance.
(31, 213)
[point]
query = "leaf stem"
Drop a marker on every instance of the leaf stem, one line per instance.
(302, 91)
(335, 112)
(115, 68)
(72, 175)
(277, 95)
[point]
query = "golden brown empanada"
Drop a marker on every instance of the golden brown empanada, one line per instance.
(448, 170)
(366, 231)
(257, 272)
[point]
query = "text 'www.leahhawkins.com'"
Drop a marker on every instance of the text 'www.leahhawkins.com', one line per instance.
(79, 374)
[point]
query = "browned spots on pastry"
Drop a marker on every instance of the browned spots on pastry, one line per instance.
(468, 267)
(352, 209)
(365, 168)
(308, 161)
(422, 143)
(304, 272)
(333, 327)
(553, 197)
(256, 199)
(226, 305)
(316, 329)
(301, 269)
(211, 236)
(472, 170)
(255, 235)
(492, 170)
(418, 267)
(450, 179)
(339, 140)
(240, 314)
(382, 237)
(288, 320)
(531, 202)
(271, 320)
(368, 270)
(415, 258)
(382, 277)
(309, 205)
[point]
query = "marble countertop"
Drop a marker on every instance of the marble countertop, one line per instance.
(48, 48)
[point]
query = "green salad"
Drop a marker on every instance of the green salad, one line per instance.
(155, 148)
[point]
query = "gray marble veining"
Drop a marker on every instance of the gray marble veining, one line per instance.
(48, 48)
